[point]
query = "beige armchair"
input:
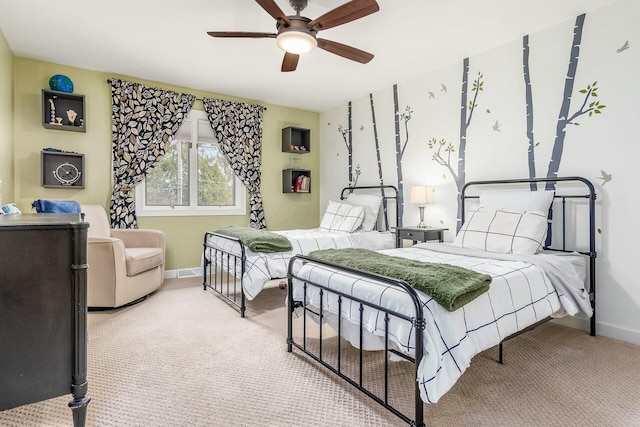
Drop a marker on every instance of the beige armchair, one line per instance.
(124, 265)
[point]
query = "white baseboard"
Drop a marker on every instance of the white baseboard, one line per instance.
(618, 333)
(602, 329)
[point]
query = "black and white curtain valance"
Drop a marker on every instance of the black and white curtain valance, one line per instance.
(238, 127)
(143, 122)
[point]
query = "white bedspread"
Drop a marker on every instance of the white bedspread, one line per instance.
(521, 293)
(262, 267)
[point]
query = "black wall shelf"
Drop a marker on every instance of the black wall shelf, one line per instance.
(296, 140)
(290, 178)
(62, 170)
(55, 106)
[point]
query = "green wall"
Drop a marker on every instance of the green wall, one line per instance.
(184, 234)
(6, 120)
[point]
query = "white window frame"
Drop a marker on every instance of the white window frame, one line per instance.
(240, 207)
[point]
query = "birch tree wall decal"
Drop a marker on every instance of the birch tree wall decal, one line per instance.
(347, 137)
(531, 159)
(564, 118)
(378, 158)
(459, 176)
(405, 117)
(357, 173)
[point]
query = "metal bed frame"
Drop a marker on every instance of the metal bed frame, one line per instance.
(227, 283)
(417, 319)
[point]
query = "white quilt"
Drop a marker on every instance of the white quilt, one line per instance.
(262, 267)
(521, 293)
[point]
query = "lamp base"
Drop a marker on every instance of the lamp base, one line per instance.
(421, 224)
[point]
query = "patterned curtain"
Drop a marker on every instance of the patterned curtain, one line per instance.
(143, 122)
(238, 128)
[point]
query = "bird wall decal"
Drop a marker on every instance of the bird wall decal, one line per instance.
(624, 47)
(605, 177)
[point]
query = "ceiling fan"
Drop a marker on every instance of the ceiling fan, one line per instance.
(296, 34)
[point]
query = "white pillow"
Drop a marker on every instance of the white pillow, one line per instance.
(517, 201)
(371, 205)
(503, 231)
(342, 217)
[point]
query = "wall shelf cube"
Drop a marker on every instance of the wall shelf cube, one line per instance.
(296, 140)
(56, 107)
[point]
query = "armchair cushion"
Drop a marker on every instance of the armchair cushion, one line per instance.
(142, 259)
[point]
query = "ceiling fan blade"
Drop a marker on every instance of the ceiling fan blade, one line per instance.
(345, 51)
(274, 10)
(348, 12)
(240, 34)
(290, 62)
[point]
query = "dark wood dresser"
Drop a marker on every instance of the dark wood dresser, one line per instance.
(43, 310)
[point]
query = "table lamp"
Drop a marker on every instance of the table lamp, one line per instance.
(421, 195)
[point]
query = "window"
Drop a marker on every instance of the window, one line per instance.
(193, 178)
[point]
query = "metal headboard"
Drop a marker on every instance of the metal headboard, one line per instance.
(587, 193)
(387, 192)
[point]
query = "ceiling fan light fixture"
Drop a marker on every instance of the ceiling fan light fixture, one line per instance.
(296, 42)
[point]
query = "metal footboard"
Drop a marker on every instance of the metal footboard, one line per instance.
(318, 313)
(223, 271)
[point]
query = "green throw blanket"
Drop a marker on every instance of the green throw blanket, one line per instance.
(257, 240)
(449, 285)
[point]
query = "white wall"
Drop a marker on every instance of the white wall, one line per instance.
(601, 142)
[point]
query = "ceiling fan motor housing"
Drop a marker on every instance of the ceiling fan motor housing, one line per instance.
(298, 23)
(298, 5)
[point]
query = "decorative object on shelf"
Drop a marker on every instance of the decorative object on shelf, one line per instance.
(71, 115)
(421, 195)
(59, 121)
(52, 113)
(61, 83)
(66, 173)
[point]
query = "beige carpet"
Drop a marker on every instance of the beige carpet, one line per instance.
(184, 358)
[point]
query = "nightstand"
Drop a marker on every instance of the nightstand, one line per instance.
(419, 234)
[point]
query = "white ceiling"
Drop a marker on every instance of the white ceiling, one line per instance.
(166, 41)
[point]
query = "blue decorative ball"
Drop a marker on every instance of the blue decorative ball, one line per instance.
(61, 83)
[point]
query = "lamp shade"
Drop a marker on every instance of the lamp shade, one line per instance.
(421, 195)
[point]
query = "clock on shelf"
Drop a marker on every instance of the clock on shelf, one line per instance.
(62, 169)
(67, 173)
